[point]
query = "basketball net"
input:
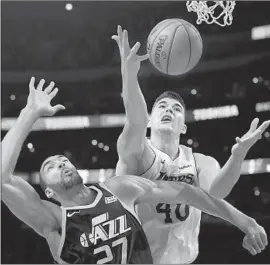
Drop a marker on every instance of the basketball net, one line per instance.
(212, 13)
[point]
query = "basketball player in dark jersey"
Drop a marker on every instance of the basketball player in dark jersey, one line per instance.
(95, 224)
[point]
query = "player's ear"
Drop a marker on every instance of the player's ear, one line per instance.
(184, 129)
(149, 123)
(49, 193)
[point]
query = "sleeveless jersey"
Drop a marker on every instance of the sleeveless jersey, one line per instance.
(172, 230)
(104, 232)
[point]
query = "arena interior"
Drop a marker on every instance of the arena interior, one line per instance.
(70, 43)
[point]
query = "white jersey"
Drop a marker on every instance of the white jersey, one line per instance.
(172, 230)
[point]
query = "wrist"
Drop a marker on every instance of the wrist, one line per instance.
(129, 73)
(130, 79)
(132, 74)
(30, 113)
(248, 224)
(240, 153)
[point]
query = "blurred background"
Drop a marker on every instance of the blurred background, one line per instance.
(70, 43)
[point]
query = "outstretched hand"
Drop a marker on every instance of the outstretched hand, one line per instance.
(39, 100)
(130, 60)
(244, 143)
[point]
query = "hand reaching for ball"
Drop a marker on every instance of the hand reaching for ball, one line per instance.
(175, 46)
(39, 99)
(130, 60)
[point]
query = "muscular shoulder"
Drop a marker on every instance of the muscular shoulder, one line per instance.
(208, 168)
(203, 161)
(136, 164)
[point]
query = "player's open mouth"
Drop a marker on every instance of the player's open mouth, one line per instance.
(67, 172)
(166, 118)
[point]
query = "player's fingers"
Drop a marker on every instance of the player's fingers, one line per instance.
(116, 38)
(32, 84)
(252, 251)
(49, 88)
(264, 126)
(119, 30)
(120, 34)
(258, 133)
(126, 42)
(254, 125)
(58, 107)
(259, 241)
(255, 245)
(32, 81)
(40, 84)
(53, 93)
(264, 238)
(238, 140)
(143, 57)
(134, 50)
(250, 245)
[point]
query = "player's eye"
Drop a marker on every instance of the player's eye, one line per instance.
(162, 106)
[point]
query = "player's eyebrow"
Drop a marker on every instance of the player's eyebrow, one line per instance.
(47, 163)
(50, 160)
(176, 104)
(179, 105)
(162, 102)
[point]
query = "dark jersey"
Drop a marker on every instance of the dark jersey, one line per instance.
(102, 232)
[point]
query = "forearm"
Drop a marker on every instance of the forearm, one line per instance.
(227, 176)
(134, 102)
(200, 199)
(13, 141)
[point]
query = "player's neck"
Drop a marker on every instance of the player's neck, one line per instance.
(166, 143)
(80, 195)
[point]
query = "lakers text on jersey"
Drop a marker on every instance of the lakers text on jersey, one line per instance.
(172, 229)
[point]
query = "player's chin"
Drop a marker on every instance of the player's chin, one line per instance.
(73, 181)
(165, 127)
(78, 180)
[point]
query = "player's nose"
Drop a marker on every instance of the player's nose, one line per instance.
(169, 109)
(61, 165)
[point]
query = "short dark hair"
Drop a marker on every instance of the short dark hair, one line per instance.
(170, 94)
(42, 181)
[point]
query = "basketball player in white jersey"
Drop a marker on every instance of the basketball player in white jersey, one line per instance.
(95, 224)
(172, 230)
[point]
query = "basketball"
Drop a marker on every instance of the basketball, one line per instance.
(174, 46)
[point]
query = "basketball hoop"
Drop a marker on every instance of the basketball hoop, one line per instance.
(206, 11)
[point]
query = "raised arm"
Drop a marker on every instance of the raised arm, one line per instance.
(132, 142)
(226, 177)
(19, 196)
